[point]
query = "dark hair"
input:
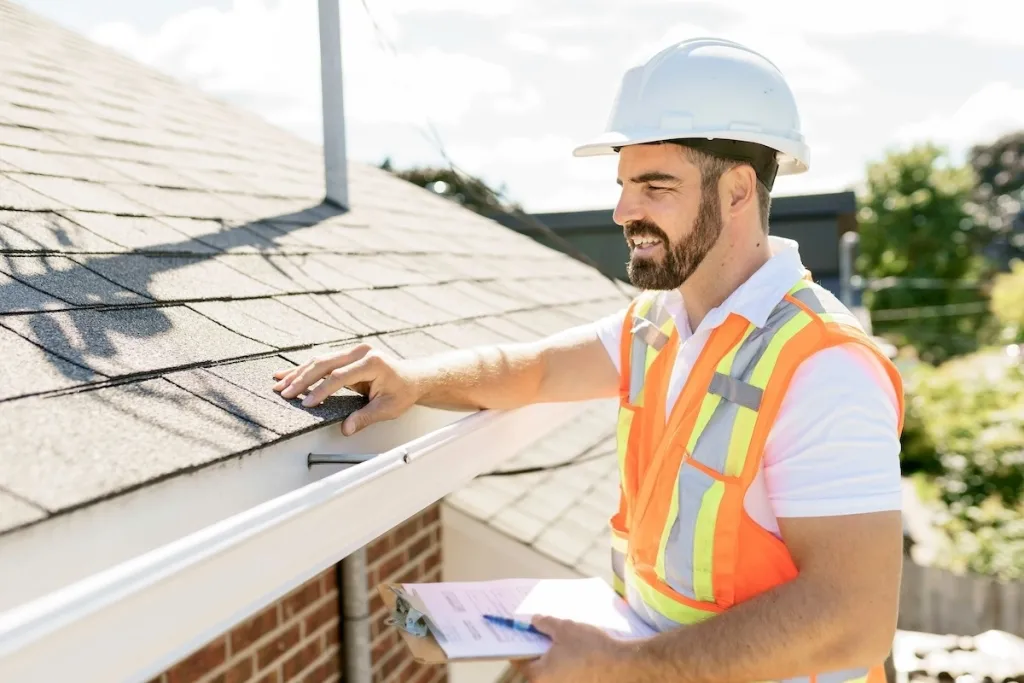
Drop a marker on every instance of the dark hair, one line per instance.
(712, 166)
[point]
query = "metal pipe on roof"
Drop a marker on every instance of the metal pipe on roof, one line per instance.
(335, 161)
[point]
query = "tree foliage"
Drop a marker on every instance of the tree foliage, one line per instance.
(1008, 303)
(965, 430)
(996, 202)
(914, 228)
(469, 191)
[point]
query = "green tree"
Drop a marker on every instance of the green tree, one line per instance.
(996, 203)
(915, 230)
(1008, 303)
(469, 191)
(965, 435)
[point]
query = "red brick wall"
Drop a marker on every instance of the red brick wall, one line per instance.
(296, 639)
(411, 552)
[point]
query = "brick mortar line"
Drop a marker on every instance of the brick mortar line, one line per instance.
(395, 551)
(251, 650)
(328, 651)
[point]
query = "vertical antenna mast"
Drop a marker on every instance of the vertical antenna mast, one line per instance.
(335, 164)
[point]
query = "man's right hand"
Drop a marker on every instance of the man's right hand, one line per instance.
(388, 383)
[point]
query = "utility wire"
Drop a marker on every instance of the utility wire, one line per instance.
(434, 137)
(945, 310)
(578, 460)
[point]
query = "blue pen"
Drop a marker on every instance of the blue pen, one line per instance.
(512, 623)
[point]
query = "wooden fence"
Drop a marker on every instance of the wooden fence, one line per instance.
(938, 601)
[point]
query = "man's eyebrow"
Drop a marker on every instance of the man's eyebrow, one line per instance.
(651, 177)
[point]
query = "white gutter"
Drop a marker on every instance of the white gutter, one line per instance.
(174, 599)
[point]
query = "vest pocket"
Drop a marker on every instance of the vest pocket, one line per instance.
(686, 553)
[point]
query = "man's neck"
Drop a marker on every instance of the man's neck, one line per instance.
(727, 266)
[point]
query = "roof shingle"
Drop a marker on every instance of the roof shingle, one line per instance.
(162, 253)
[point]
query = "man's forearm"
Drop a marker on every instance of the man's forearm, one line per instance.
(793, 630)
(491, 377)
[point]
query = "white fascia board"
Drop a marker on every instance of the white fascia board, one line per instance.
(132, 621)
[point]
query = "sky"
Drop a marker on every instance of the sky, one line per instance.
(512, 85)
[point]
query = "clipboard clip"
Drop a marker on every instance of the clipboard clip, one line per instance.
(407, 617)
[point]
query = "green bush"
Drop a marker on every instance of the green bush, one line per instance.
(965, 429)
(1007, 302)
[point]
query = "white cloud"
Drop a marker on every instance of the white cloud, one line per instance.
(527, 42)
(809, 70)
(531, 43)
(481, 7)
(994, 110)
(984, 20)
(266, 56)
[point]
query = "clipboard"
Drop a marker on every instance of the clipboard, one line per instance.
(458, 605)
(406, 614)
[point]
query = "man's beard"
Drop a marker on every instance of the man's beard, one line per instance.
(679, 261)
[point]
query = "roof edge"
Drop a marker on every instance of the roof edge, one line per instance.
(283, 536)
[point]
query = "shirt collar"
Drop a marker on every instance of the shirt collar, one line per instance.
(758, 296)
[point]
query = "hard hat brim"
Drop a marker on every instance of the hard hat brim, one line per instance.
(794, 155)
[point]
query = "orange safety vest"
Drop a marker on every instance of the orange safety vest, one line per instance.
(683, 546)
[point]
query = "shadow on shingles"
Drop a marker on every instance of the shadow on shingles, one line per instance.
(91, 335)
(243, 390)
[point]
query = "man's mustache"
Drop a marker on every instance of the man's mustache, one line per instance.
(644, 228)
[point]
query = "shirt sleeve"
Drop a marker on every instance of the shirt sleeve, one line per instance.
(609, 330)
(834, 448)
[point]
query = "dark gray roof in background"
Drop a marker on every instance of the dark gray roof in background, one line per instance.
(161, 253)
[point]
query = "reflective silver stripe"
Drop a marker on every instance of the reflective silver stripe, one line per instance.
(649, 332)
(712, 447)
(712, 450)
(693, 484)
(648, 614)
(845, 676)
(824, 302)
(643, 331)
(808, 297)
(619, 564)
(736, 391)
(637, 368)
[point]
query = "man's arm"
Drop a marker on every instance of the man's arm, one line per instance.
(839, 613)
(568, 366)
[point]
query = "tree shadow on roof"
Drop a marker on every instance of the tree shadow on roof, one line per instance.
(100, 311)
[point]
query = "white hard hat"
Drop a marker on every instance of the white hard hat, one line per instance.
(712, 94)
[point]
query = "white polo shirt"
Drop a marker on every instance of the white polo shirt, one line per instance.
(834, 448)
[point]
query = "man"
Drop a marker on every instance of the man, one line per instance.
(759, 527)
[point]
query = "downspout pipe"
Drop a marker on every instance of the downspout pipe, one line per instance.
(355, 618)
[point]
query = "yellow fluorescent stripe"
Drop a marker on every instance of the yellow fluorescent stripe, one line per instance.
(673, 512)
(619, 586)
(619, 543)
(704, 543)
(622, 438)
(707, 409)
(743, 427)
(711, 401)
(668, 608)
(765, 365)
(739, 441)
(803, 284)
(652, 353)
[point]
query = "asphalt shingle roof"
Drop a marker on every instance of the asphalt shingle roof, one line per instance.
(560, 512)
(162, 252)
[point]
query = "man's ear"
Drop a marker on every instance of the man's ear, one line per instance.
(740, 189)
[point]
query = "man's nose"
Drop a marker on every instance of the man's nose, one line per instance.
(626, 211)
